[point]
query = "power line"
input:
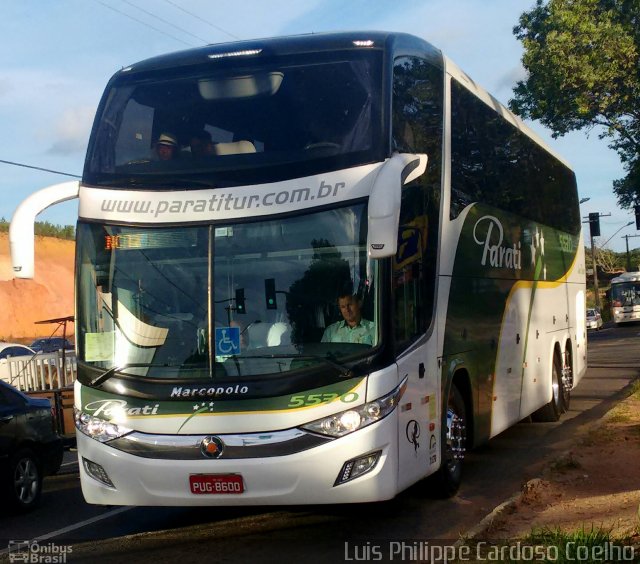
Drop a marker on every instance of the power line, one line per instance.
(165, 21)
(40, 168)
(144, 23)
(203, 20)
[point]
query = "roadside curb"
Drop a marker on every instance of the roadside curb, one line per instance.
(510, 503)
(488, 520)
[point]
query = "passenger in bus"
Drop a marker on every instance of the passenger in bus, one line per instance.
(320, 134)
(166, 146)
(352, 328)
(201, 144)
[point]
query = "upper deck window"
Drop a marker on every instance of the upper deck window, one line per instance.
(221, 124)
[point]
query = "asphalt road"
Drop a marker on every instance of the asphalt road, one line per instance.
(334, 533)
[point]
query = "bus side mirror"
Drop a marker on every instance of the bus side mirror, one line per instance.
(21, 235)
(384, 202)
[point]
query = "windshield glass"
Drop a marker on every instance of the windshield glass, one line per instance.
(237, 300)
(625, 294)
(224, 124)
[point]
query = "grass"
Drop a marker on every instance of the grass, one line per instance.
(565, 463)
(622, 414)
(555, 545)
(596, 435)
(591, 543)
(618, 415)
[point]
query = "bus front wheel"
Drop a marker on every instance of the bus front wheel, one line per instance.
(446, 481)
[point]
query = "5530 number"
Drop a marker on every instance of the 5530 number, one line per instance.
(304, 400)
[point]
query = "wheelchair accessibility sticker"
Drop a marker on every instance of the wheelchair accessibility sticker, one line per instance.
(227, 341)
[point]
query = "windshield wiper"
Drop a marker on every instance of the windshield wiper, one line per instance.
(179, 182)
(345, 371)
(151, 180)
(116, 369)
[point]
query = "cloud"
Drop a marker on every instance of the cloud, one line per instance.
(508, 79)
(45, 113)
(71, 131)
(5, 86)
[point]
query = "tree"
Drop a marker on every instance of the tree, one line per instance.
(581, 57)
(608, 261)
(45, 229)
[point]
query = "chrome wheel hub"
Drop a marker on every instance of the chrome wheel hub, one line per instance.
(456, 434)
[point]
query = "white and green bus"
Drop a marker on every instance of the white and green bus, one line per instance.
(625, 298)
(296, 173)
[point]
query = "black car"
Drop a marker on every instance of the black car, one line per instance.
(30, 448)
(51, 344)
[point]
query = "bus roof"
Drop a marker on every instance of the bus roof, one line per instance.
(286, 46)
(626, 277)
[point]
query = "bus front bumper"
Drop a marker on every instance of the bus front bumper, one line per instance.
(627, 314)
(306, 477)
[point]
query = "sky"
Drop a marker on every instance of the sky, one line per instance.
(58, 56)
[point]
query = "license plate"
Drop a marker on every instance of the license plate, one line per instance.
(210, 484)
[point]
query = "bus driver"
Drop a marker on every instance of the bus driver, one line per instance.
(353, 328)
(166, 147)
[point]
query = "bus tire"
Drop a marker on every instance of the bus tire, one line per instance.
(552, 411)
(566, 381)
(447, 479)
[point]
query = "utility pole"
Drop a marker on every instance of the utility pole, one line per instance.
(628, 255)
(594, 228)
(595, 273)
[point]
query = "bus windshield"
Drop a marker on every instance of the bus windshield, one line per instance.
(224, 124)
(625, 294)
(246, 299)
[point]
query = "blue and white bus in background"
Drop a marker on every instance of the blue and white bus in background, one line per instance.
(234, 196)
(625, 297)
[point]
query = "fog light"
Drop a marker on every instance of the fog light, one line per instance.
(357, 467)
(97, 472)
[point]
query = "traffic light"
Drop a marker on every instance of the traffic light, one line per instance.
(594, 224)
(270, 293)
(637, 210)
(240, 301)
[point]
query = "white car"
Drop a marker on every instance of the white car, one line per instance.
(594, 319)
(12, 349)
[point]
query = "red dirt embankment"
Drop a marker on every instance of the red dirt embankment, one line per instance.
(49, 295)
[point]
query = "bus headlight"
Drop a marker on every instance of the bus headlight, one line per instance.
(345, 422)
(97, 428)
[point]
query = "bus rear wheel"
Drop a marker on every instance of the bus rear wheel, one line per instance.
(560, 397)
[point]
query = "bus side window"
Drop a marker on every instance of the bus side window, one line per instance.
(409, 268)
(417, 126)
(496, 164)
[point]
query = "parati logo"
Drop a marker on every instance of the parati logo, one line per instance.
(489, 233)
(110, 409)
